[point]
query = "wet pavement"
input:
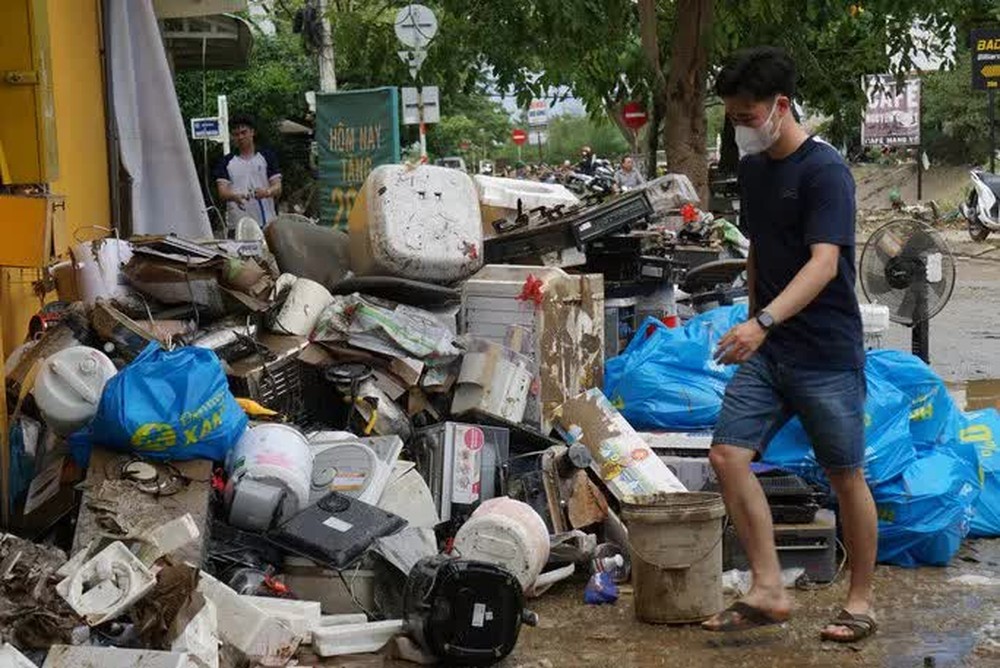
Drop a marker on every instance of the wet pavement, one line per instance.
(938, 617)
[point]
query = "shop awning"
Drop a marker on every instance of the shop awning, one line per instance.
(217, 42)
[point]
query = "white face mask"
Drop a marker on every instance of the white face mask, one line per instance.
(757, 140)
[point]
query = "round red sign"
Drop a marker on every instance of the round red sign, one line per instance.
(519, 136)
(634, 115)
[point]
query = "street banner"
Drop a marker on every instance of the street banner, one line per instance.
(356, 131)
(892, 117)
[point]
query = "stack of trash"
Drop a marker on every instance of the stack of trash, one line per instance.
(305, 442)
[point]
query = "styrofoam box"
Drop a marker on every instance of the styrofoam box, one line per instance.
(499, 198)
(419, 222)
(11, 658)
(67, 656)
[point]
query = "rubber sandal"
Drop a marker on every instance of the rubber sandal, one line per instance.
(861, 627)
(741, 616)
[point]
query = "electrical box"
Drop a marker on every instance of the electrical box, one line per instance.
(27, 110)
(27, 223)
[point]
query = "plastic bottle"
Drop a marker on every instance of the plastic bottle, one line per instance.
(610, 559)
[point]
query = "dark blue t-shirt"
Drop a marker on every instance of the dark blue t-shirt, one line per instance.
(787, 205)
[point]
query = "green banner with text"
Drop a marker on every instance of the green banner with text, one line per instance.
(355, 132)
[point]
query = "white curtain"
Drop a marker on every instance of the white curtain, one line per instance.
(166, 197)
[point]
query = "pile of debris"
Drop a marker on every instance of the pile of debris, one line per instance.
(306, 443)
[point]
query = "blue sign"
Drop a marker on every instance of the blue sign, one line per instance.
(206, 128)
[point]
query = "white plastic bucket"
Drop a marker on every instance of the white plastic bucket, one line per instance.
(302, 309)
(98, 266)
(275, 454)
(69, 386)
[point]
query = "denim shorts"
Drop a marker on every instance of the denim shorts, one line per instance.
(764, 395)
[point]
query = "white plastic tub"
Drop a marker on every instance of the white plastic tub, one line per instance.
(417, 222)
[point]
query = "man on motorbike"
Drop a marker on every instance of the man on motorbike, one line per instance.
(588, 162)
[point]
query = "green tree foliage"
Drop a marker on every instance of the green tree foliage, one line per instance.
(272, 88)
(955, 121)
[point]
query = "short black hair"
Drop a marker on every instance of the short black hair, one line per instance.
(761, 72)
(237, 121)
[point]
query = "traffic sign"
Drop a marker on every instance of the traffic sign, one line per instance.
(465, 145)
(519, 136)
(985, 58)
(206, 128)
(538, 113)
(415, 26)
(634, 115)
(420, 105)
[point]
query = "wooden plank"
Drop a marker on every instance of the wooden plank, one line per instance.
(145, 510)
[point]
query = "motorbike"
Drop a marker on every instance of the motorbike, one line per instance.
(600, 183)
(982, 209)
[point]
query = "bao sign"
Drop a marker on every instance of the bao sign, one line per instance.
(892, 117)
(985, 58)
(519, 136)
(356, 131)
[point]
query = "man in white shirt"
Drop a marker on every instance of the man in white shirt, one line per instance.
(628, 177)
(248, 179)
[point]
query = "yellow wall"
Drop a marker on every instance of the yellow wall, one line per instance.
(74, 42)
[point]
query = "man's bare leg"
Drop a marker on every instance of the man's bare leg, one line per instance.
(860, 525)
(750, 514)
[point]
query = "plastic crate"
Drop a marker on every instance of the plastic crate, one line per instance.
(810, 546)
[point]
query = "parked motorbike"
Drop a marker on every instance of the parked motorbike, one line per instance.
(982, 210)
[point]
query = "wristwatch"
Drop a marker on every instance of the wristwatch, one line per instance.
(765, 320)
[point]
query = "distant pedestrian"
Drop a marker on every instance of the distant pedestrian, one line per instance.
(248, 178)
(627, 176)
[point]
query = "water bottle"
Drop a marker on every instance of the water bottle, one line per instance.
(610, 559)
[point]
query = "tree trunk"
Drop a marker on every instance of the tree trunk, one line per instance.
(684, 134)
(653, 137)
(729, 154)
(651, 50)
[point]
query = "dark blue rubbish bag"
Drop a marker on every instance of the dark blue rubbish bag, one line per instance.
(167, 405)
(667, 379)
(925, 513)
(888, 445)
(934, 416)
(976, 443)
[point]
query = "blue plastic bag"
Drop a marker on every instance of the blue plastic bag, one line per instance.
(667, 378)
(888, 444)
(924, 514)
(976, 443)
(934, 417)
(600, 589)
(167, 405)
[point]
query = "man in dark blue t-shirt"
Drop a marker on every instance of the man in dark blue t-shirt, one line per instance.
(801, 353)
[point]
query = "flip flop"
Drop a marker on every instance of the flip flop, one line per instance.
(861, 627)
(741, 616)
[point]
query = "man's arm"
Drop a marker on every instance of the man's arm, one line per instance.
(742, 341)
(808, 283)
(226, 192)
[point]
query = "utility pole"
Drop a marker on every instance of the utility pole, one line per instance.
(327, 69)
